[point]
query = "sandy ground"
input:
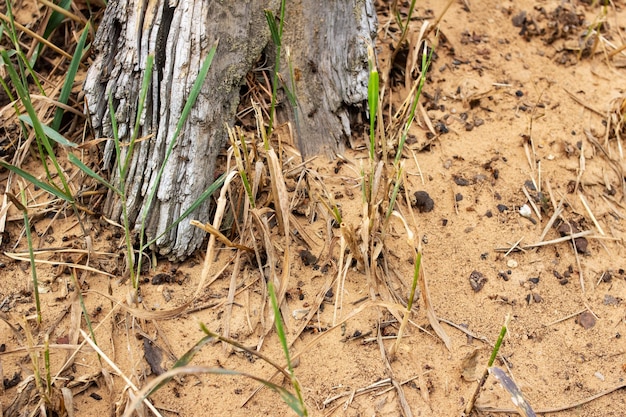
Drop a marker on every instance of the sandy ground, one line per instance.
(512, 107)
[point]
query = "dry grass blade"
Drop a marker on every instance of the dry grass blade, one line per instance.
(571, 406)
(615, 164)
(36, 37)
(547, 242)
(430, 312)
(404, 405)
(68, 401)
(145, 314)
(230, 301)
(217, 221)
(259, 215)
(57, 263)
(127, 380)
(313, 310)
(279, 192)
(62, 11)
(219, 236)
(583, 200)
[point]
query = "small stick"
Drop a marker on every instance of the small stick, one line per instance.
(466, 331)
(581, 276)
(532, 203)
(556, 214)
(515, 245)
(550, 242)
(558, 409)
(593, 218)
(565, 318)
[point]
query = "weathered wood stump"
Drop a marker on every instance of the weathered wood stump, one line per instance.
(328, 44)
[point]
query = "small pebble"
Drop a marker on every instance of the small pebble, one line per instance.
(423, 202)
(477, 281)
(511, 263)
(599, 376)
(587, 320)
(609, 300)
(460, 181)
(502, 208)
(530, 185)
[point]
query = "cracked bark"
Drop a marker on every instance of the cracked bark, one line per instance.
(328, 46)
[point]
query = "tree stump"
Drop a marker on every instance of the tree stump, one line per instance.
(328, 45)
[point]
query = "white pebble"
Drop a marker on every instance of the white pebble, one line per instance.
(524, 211)
(511, 263)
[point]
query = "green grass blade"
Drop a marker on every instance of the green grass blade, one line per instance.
(183, 361)
(43, 185)
(372, 101)
(496, 348)
(145, 84)
(76, 161)
(70, 77)
(277, 36)
(426, 61)
(81, 301)
(50, 132)
(271, 23)
(280, 330)
(31, 254)
(55, 20)
(296, 403)
(42, 139)
(12, 34)
(416, 274)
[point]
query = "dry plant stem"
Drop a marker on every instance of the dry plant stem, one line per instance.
(555, 215)
(112, 364)
(558, 409)
(340, 274)
(55, 263)
(466, 331)
(36, 36)
(532, 203)
(314, 309)
(593, 218)
(430, 312)
(404, 405)
(376, 385)
(220, 236)
(217, 221)
(230, 300)
(549, 242)
(62, 11)
(616, 165)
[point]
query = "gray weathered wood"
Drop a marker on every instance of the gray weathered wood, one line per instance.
(327, 43)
